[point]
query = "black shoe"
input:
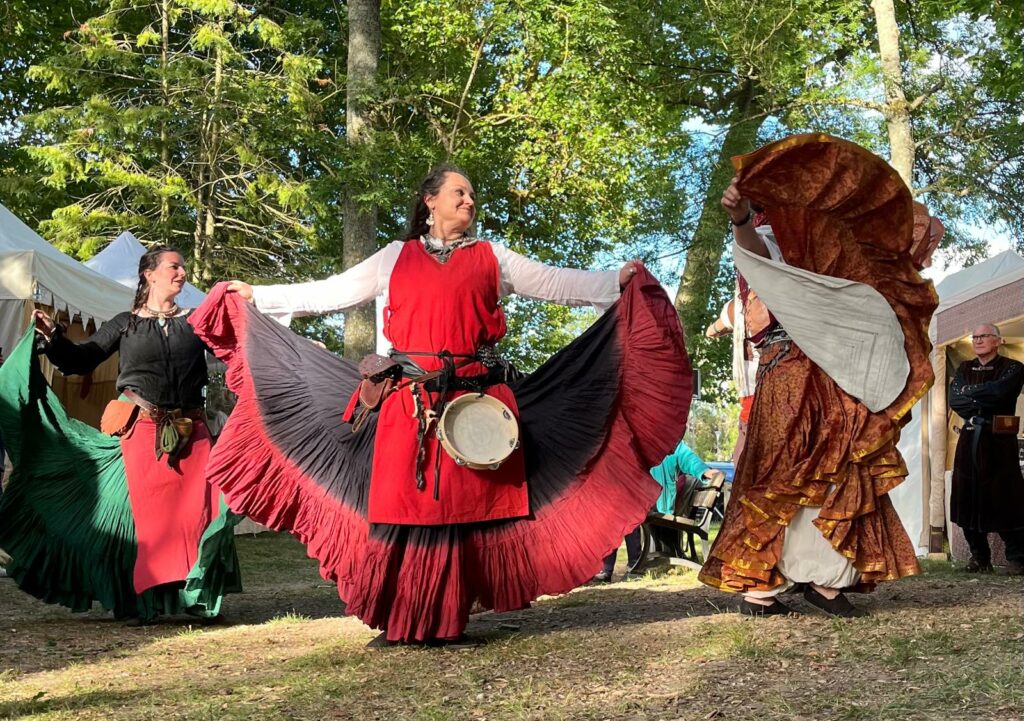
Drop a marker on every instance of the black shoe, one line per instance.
(839, 606)
(219, 620)
(381, 641)
(1014, 568)
(456, 644)
(137, 622)
(777, 608)
(602, 577)
(974, 566)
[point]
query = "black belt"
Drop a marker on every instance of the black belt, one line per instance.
(976, 424)
(442, 383)
(476, 384)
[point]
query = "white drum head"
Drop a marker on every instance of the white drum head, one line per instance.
(478, 431)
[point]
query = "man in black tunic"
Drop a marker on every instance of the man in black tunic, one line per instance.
(988, 488)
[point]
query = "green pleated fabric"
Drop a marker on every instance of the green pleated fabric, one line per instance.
(65, 517)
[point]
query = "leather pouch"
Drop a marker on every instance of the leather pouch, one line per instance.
(118, 417)
(172, 434)
(1006, 425)
(380, 376)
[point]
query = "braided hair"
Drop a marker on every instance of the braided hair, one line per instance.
(150, 260)
(416, 223)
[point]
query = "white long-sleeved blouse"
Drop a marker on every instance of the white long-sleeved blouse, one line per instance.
(371, 278)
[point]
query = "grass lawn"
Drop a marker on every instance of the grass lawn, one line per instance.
(938, 646)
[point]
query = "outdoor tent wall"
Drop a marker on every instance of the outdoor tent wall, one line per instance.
(35, 274)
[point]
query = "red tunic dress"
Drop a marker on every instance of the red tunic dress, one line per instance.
(433, 307)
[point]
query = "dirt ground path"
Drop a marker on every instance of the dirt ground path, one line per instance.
(940, 646)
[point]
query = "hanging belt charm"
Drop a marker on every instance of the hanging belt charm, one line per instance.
(425, 419)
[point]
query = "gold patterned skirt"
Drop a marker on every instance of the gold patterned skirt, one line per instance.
(811, 444)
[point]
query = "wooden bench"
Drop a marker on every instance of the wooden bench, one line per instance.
(680, 533)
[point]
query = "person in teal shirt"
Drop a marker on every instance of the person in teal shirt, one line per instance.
(681, 460)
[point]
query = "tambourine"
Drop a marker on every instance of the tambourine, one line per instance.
(478, 431)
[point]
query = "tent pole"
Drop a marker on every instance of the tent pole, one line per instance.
(925, 463)
(937, 455)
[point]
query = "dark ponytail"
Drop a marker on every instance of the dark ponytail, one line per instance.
(416, 223)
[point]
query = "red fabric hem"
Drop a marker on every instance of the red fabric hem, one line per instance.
(171, 505)
(565, 543)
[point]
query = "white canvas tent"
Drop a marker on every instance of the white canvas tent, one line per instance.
(990, 292)
(120, 261)
(34, 273)
(32, 270)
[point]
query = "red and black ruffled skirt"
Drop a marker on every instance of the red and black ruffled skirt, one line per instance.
(593, 420)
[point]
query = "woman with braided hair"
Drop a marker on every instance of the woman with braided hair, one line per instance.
(125, 516)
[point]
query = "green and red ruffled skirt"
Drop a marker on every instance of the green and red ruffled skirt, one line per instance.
(88, 518)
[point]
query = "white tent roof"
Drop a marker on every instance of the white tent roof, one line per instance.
(32, 269)
(990, 273)
(120, 261)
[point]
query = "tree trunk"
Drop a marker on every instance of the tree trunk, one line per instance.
(697, 284)
(198, 241)
(897, 113)
(359, 234)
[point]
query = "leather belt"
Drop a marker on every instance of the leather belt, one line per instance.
(477, 383)
(156, 414)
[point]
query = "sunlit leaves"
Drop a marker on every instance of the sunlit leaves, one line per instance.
(168, 139)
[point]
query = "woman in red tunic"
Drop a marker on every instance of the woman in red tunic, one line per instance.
(412, 538)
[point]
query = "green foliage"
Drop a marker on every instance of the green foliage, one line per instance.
(537, 100)
(537, 330)
(29, 31)
(593, 131)
(963, 79)
(191, 141)
(713, 429)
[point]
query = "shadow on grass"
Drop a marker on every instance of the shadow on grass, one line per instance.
(598, 607)
(77, 701)
(283, 584)
(624, 605)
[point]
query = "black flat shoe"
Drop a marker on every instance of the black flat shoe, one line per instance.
(137, 622)
(976, 567)
(455, 644)
(1014, 569)
(218, 620)
(839, 606)
(381, 641)
(777, 608)
(602, 577)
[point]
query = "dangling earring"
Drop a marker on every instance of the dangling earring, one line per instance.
(430, 219)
